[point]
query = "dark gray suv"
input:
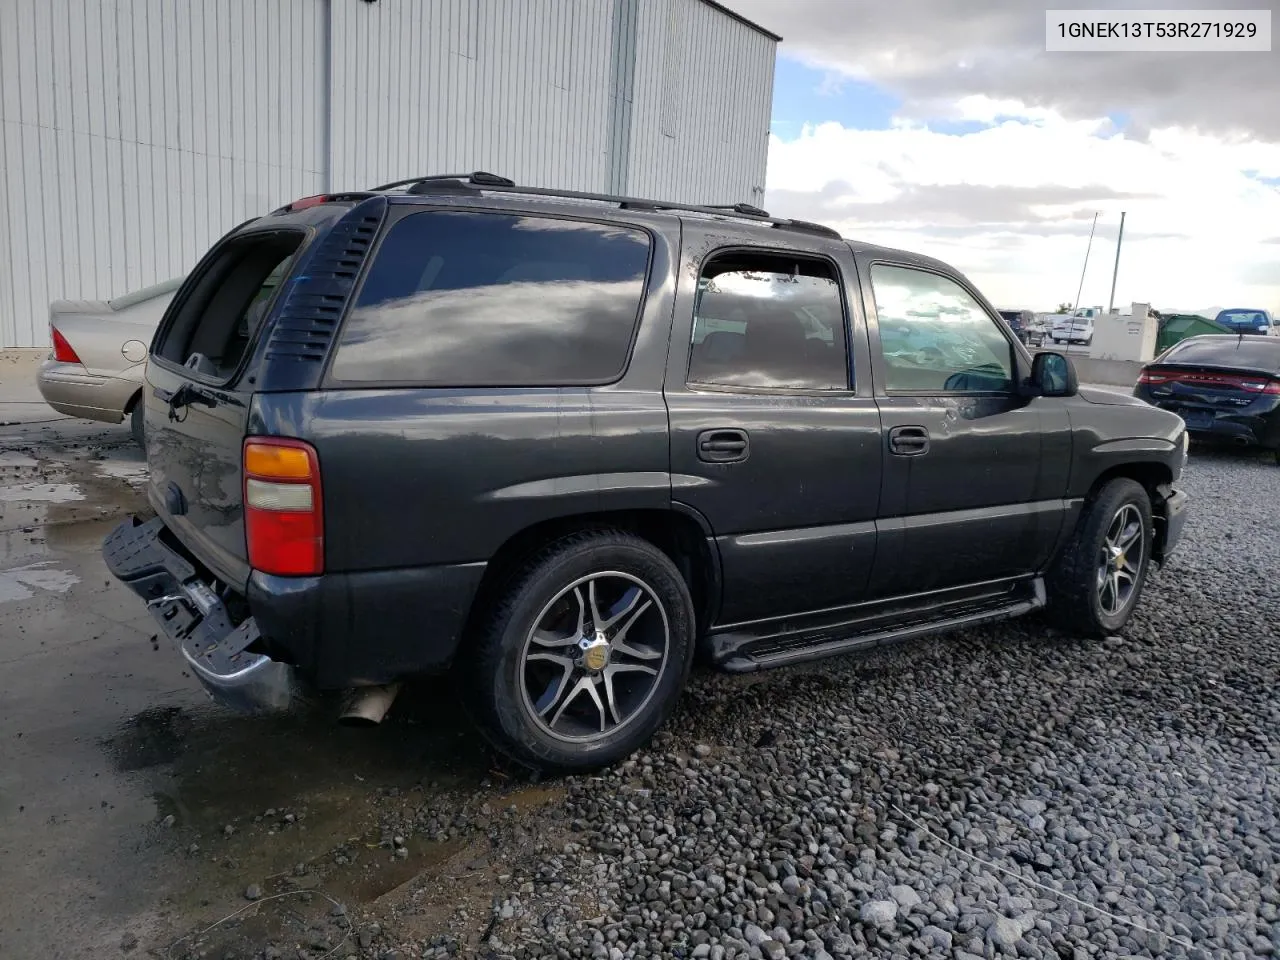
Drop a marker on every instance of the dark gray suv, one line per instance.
(558, 444)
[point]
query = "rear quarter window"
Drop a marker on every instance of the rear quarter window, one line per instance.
(486, 299)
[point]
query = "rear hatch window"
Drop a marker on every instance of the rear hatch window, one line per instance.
(220, 317)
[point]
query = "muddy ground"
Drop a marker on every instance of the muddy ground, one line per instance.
(135, 814)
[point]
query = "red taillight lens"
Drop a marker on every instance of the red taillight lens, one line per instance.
(283, 509)
(62, 351)
(1146, 376)
(305, 202)
(1272, 388)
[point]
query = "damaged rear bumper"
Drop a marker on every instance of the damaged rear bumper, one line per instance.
(195, 619)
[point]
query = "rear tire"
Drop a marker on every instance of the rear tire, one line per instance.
(1096, 582)
(582, 654)
(136, 425)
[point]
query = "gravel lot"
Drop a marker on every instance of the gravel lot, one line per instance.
(1002, 792)
(1005, 792)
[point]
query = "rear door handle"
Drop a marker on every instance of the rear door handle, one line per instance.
(909, 441)
(723, 446)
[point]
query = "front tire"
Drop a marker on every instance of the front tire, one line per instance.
(584, 653)
(1095, 583)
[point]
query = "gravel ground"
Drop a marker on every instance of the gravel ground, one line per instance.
(1001, 792)
(1004, 792)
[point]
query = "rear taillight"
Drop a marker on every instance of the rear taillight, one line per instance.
(62, 351)
(1146, 376)
(304, 202)
(1272, 388)
(283, 509)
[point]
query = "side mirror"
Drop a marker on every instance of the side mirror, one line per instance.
(1053, 375)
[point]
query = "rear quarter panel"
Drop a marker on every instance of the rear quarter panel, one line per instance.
(416, 477)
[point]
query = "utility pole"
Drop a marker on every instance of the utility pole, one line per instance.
(1080, 289)
(1119, 240)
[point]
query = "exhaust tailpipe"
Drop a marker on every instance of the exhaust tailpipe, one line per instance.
(366, 706)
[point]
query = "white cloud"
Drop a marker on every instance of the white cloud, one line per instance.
(1014, 202)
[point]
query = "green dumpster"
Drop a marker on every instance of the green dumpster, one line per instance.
(1179, 326)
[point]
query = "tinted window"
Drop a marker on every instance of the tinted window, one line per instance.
(769, 321)
(935, 336)
(1228, 351)
(474, 299)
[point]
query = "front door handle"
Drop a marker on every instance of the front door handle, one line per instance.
(723, 446)
(909, 441)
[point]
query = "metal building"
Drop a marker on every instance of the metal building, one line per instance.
(133, 133)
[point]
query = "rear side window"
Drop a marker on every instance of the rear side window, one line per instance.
(483, 299)
(769, 321)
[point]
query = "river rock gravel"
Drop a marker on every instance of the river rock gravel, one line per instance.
(1008, 791)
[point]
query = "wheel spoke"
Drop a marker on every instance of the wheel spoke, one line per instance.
(554, 691)
(614, 668)
(582, 608)
(640, 653)
(544, 639)
(583, 683)
(619, 642)
(609, 671)
(596, 617)
(630, 599)
(1129, 535)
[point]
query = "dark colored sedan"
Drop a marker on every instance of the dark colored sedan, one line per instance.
(1226, 388)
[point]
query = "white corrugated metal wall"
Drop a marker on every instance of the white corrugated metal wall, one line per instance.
(514, 87)
(703, 97)
(133, 133)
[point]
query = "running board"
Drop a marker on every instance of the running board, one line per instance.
(755, 653)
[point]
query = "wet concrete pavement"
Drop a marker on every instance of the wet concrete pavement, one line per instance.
(134, 813)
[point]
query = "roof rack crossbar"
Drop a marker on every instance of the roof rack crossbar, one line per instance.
(740, 208)
(745, 211)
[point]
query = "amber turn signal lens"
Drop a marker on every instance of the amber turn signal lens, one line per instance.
(276, 462)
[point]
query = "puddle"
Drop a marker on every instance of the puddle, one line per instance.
(40, 493)
(11, 460)
(134, 474)
(22, 583)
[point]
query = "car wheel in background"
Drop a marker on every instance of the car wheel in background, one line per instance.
(1095, 583)
(582, 653)
(136, 425)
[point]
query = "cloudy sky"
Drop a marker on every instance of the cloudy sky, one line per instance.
(946, 128)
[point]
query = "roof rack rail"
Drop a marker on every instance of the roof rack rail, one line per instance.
(476, 177)
(488, 181)
(740, 208)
